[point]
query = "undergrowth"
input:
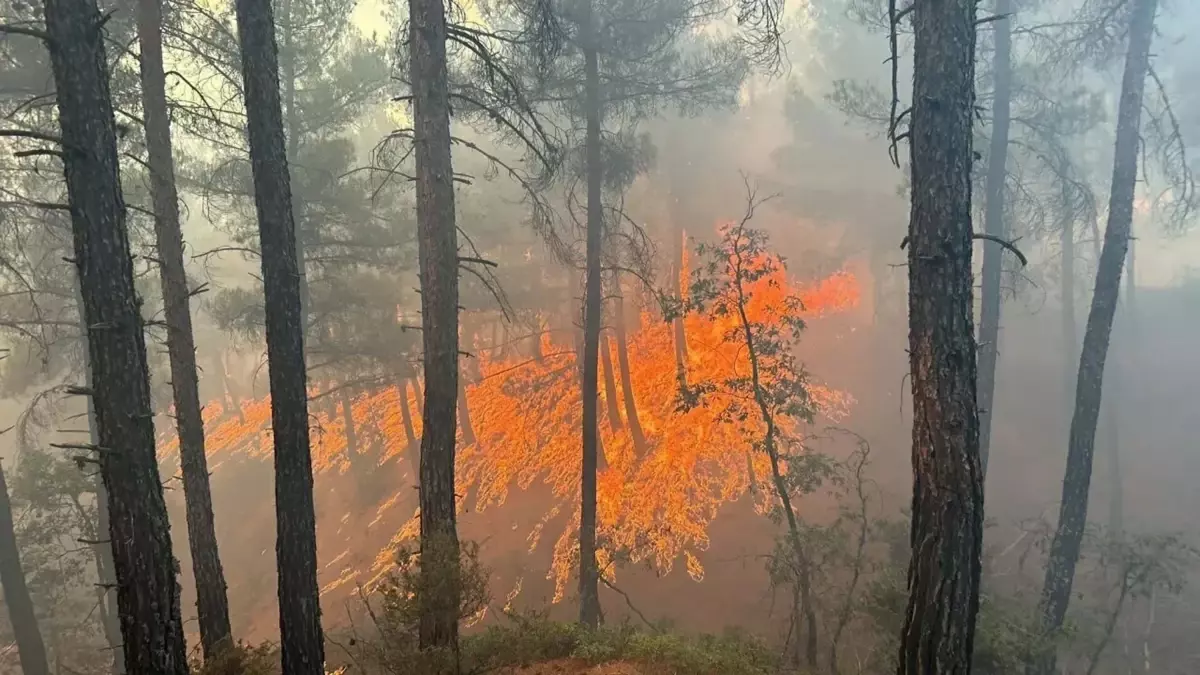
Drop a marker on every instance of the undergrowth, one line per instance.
(531, 639)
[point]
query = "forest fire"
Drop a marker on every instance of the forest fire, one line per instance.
(657, 495)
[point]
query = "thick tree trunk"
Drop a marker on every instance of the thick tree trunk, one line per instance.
(994, 224)
(212, 603)
(589, 573)
(610, 386)
(438, 252)
(147, 587)
(30, 647)
(301, 641)
(1072, 518)
(631, 411)
(102, 552)
(947, 510)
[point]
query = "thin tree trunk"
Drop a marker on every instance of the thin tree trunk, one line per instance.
(413, 447)
(631, 411)
(464, 413)
(947, 510)
(994, 225)
(231, 395)
(1072, 518)
(147, 587)
(301, 641)
(803, 567)
(589, 573)
(438, 253)
(212, 603)
(610, 386)
(677, 284)
(347, 406)
(30, 647)
(1070, 330)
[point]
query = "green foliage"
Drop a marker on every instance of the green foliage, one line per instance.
(532, 639)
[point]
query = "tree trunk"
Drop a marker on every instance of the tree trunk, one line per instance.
(610, 386)
(347, 406)
(1070, 331)
(464, 413)
(231, 395)
(1072, 518)
(28, 635)
(589, 573)
(631, 412)
(102, 551)
(212, 603)
(947, 510)
(301, 641)
(413, 447)
(677, 283)
(147, 587)
(438, 253)
(994, 225)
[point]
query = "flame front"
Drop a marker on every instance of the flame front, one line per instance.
(655, 503)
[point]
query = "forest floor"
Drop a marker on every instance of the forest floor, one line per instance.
(581, 667)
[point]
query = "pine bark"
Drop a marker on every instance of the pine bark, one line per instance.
(212, 603)
(145, 569)
(1072, 518)
(28, 635)
(438, 253)
(994, 224)
(589, 573)
(947, 510)
(301, 642)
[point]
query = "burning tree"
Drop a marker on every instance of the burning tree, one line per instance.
(771, 400)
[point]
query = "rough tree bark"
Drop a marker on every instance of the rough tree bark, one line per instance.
(145, 569)
(610, 387)
(589, 573)
(994, 225)
(102, 552)
(631, 411)
(212, 603)
(1072, 517)
(301, 641)
(947, 510)
(28, 635)
(438, 253)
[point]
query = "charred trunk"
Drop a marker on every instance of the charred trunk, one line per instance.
(631, 411)
(147, 587)
(610, 387)
(212, 603)
(301, 641)
(589, 573)
(947, 508)
(994, 225)
(26, 632)
(438, 253)
(1072, 518)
